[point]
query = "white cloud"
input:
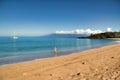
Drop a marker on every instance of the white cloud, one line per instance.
(80, 31)
(109, 29)
(64, 32)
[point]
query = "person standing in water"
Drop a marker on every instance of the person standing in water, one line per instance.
(55, 51)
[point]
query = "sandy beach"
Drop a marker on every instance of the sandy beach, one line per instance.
(114, 38)
(95, 64)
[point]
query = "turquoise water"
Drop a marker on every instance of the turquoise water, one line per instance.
(29, 48)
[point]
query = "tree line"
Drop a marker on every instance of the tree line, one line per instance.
(105, 35)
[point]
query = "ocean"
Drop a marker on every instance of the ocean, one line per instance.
(30, 48)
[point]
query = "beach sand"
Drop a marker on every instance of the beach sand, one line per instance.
(95, 64)
(114, 38)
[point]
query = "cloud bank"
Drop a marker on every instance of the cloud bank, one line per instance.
(83, 31)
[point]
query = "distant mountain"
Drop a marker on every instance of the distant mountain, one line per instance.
(65, 35)
(103, 35)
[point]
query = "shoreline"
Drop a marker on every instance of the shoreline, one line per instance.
(90, 64)
(117, 39)
(66, 53)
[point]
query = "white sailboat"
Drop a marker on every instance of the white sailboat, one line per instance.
(14, 37)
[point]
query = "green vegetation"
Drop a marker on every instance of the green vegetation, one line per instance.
(105, 35)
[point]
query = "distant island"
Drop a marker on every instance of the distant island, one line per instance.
(103, 35)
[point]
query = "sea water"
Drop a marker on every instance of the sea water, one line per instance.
(29, 48)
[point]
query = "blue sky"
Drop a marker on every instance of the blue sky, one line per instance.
(40, 17)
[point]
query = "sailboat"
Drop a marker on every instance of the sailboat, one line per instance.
(14, 37)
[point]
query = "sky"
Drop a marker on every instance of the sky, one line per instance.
(41, 17)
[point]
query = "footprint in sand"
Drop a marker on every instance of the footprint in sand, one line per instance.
(78, 73)
(112, 57)
(50, 74)
(106, 69)
(83, 62)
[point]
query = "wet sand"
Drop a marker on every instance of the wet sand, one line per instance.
(95, 64)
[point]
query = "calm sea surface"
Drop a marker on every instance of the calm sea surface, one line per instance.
(29, 48)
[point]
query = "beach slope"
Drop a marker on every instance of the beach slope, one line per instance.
(95, 64)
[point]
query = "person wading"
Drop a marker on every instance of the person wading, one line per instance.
(55, 51)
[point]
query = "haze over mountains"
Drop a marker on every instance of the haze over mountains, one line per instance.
(55, 35)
